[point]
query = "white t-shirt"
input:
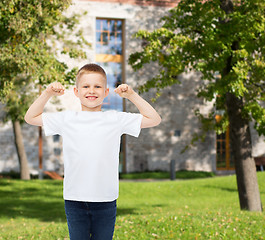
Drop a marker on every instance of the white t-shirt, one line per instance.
(91, 145)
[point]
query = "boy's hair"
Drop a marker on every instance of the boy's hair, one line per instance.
(90, 68)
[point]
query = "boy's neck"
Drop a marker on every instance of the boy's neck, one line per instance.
(86, 109)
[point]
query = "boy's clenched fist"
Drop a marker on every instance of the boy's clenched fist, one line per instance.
(55, 89)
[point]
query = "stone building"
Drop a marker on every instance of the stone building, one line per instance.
(109, 27)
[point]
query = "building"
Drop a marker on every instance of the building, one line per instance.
(109, 27)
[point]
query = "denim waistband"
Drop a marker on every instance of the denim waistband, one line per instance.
(90, 205)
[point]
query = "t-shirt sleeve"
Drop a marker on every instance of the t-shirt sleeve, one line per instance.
(53, 123)
(130, 123)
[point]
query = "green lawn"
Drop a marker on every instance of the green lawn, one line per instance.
(188, 209)
(166, 175)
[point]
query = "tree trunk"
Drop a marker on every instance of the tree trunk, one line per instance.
(22, 157)
(247, 184)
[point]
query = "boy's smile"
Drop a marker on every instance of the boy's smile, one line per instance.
(91, 90)
(91, 98)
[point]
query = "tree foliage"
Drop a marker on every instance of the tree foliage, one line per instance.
(200, 35)
(33, 35)
(224, 40)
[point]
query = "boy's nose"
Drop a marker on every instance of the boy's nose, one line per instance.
(91, 90)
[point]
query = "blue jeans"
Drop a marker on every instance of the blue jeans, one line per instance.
(90, 220)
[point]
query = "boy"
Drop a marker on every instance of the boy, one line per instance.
(91, 143)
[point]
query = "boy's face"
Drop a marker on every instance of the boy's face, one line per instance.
(91, 90)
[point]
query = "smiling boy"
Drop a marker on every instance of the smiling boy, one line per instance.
(91, 143)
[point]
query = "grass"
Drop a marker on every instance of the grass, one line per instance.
(166, 175)
(193, 209)
(139, 175)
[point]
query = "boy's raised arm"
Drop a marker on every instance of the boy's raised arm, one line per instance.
(34, 113)
(150, 116)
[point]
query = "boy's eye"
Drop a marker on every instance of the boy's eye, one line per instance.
(86, 86)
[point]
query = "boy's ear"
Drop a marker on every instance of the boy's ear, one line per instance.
(106, 92)
(76, 91)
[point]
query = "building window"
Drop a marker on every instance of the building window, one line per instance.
(109, 54)
(56, 138)
(109, 38)
(224, 155)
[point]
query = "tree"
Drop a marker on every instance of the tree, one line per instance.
(224, 40)
(29, 49)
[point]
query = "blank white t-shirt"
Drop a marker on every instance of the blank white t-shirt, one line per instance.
(91, 145)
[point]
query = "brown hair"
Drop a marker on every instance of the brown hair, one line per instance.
(90, 68)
